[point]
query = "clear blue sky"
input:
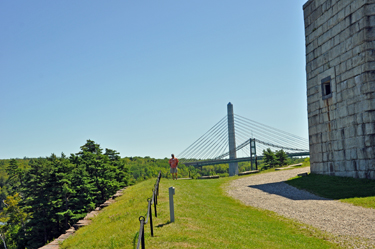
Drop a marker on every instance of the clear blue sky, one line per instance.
(146, 78)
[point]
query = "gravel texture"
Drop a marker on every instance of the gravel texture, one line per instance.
(268, 191)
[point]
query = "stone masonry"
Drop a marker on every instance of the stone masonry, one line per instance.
(340, 72)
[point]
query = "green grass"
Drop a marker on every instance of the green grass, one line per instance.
(360, 192)
(205, 217)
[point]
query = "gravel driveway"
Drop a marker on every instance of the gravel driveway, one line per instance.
(268, 191)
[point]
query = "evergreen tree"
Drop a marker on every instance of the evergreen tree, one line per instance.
(57, 192)
(61, 191)
(15, 177)
(112, 155)
(107, 171)
(281, 158)
(38, 202)
(83, 199)
(269, 158)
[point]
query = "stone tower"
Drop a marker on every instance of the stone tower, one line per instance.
(340, 72)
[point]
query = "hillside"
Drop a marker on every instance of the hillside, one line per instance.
(205, 218)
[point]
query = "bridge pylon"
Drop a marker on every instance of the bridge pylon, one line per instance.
(253, 154)
(233, 166)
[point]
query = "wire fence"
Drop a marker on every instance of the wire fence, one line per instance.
(143, 221)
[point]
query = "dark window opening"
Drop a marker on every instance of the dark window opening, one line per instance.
(326, 88)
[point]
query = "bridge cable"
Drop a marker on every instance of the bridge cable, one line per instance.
(267, 134)
(214, 150)
(274, 136)
(269, 127)
(208, 146)
(211, 140)
(274, 131)
(201, 144)
(197, 143)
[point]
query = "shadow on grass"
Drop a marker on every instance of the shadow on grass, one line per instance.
(135, 239)
(161, 225)
(284, 190)
(335, 187)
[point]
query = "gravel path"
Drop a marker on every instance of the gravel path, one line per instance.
(268, 191)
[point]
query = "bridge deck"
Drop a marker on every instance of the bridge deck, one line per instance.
(241, 159)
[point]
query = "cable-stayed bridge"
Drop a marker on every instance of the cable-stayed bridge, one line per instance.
(237, 139)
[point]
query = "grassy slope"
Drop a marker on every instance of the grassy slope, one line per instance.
(205, 218)
(360, 192)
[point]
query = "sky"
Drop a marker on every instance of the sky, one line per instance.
(145, 78)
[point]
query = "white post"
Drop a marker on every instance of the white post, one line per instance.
(171, 205)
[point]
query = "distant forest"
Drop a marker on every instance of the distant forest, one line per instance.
(43, 197)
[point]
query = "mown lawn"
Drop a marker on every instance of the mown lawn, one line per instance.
(204, 218)
(360, 192)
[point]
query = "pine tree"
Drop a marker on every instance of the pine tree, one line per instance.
(281, 158)
(58, 191)
(269, 158)
(107, 171)
(61, 191)
(15, 177)
(38, 200)
(83, 200)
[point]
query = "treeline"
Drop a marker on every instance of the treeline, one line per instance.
(142, 168)
(269, 160)
(51, 194)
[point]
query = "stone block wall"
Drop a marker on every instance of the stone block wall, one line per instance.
(340, 72)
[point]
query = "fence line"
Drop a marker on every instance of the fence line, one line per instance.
(142, 220)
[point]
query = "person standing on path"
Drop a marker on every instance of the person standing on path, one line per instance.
(173, 162)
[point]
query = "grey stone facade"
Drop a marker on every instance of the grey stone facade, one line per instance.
(340, 72)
